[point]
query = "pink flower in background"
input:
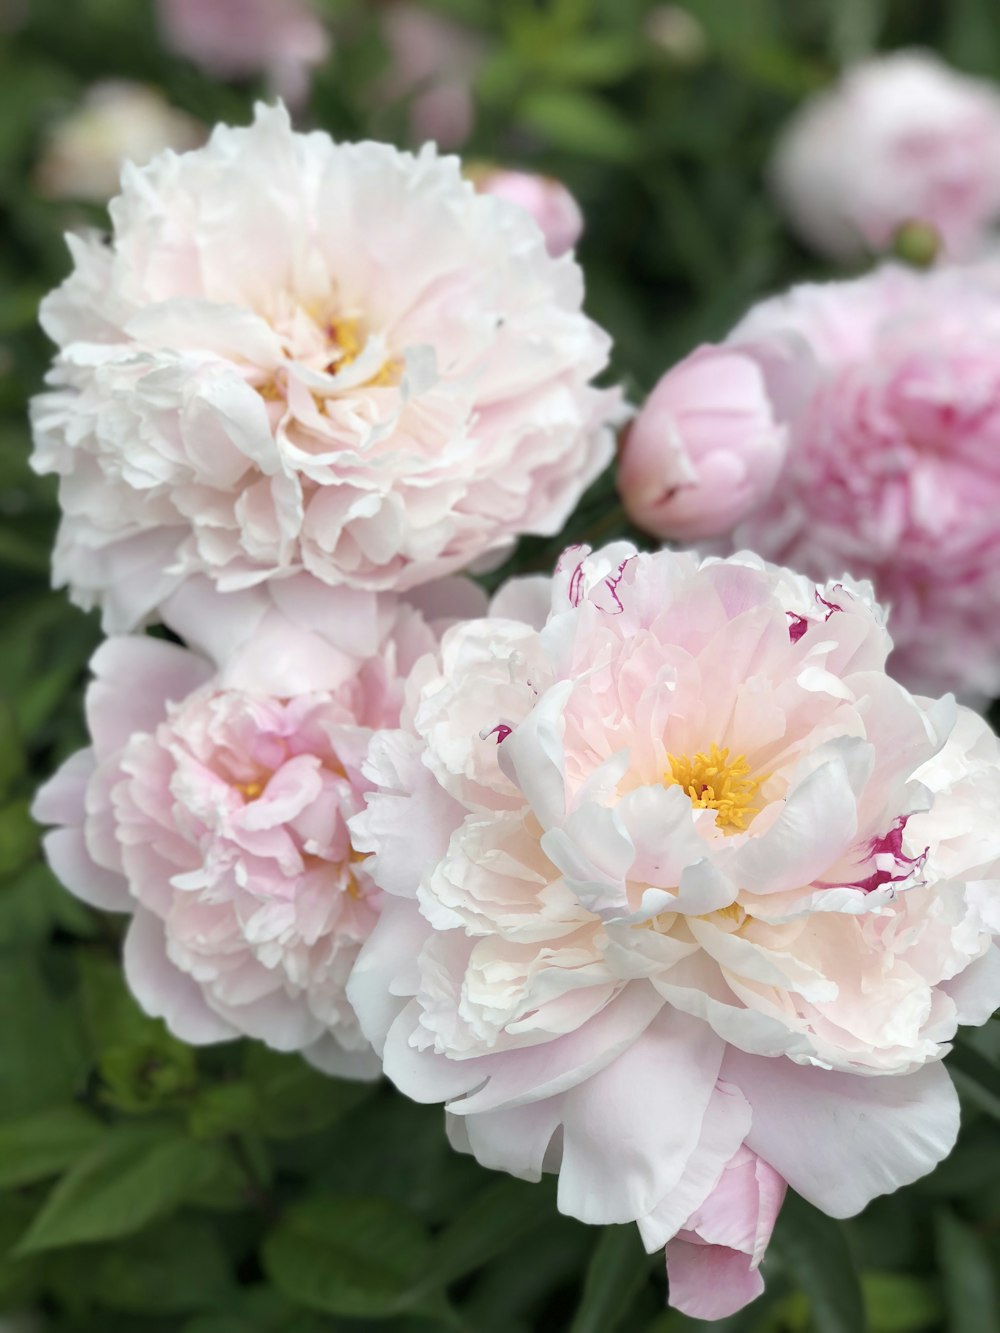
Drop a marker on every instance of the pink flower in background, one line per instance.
(236, 39)
(432, 65)
(893, 471)
(708, 444)
(297, 355)
(212, 806)
(546, 199)
(901, 138)
(115, 123)
(672, 869)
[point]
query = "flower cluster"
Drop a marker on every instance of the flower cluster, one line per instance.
(648, 871)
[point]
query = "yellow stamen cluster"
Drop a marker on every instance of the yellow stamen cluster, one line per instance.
(713, 781)
(349, 340)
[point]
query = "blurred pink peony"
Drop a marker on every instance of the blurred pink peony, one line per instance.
(296, 355)
(236, 39)
(546, 199)
(902, 138)
(893, 470)
(708, 444)
(432, 65)
(213, 803)
(115, 123)
(672, 867)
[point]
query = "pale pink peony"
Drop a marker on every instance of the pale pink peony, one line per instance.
(901, 138)
(547, 200)
(236, 39)
(213, 803)
(432, 65)
(713, 1265)
(296, 354)
(673, 868)
(116, 122)
(708, 444)
(893, 472)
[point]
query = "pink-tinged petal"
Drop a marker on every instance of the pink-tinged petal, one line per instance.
(166, 992)
(385, 970)
(540, 1071)
(725, 1126)
(710, 1281)
(62, 799)
(630, 1130)
(976, 991)
(840, 1140)
(519, 1141)
(71, 863)
(532, 756)
(116, 710)
(329, 1057)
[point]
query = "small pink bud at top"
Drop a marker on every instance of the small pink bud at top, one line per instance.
(545, 198)
(707, 446)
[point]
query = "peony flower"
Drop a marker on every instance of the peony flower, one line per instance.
(236, 39)
(212, 806)
(708, 445)
(432, 65)
(301, 355)
(713, 1264)
(892, 470)
(673, 869)
(902, 138)
(546, 199)
(116, 122)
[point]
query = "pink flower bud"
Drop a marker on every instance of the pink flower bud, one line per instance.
(545, 198)
(707, 446)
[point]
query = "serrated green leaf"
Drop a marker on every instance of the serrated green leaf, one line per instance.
(618, 1268)
(45, 1143)
(134, 1175)
(347, 1256)
(815, 1251)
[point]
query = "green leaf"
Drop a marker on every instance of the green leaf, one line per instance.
(578, 123)
(178, 1267)
(976, 1076)
(44, 1144)
(19, 835)
(617, 1270)
(815, 1250)
(495, 1219)
(347, 1256)
(971, 1297)
(42, 1061)
(135, 1174)
(293, 1098)
(899, 1302)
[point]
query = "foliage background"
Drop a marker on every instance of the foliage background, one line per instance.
(144, 1186)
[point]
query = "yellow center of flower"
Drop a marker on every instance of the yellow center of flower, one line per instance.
(349, 340)
(713, 781)
(250, 790)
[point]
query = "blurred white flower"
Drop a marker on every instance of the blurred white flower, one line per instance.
(116, 122)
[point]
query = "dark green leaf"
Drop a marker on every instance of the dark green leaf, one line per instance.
(293, 1098)
(971, 1294)
(348, 1256)
(580, 123)
(976, 1076)
(815, 1251)
(135, 1174)
(618, 1267)
(44, 1144)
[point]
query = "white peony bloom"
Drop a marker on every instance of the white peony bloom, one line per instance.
(295, 354)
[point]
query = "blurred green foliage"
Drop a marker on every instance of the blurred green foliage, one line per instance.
(146, 1186)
